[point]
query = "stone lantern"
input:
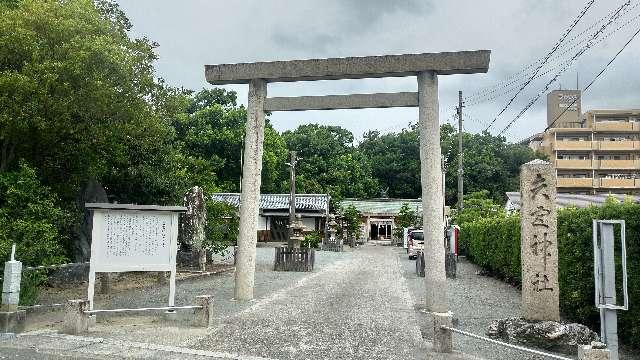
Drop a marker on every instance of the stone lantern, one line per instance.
(298, 232)
(333, 226)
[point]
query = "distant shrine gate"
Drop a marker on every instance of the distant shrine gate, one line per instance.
(426, 67)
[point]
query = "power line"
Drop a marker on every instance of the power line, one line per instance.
(577, 55)
(555, 47)
(601, 39)
(517, 76)
(594, 79)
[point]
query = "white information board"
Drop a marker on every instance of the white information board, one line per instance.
(133, 238)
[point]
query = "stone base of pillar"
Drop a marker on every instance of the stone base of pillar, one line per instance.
(12, 321)
(593, 352)
(76, 321)
(442, 339)
(204, 316)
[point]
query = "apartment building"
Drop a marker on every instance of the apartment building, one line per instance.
(595, 152)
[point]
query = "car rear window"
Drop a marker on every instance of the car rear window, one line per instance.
(417, 236)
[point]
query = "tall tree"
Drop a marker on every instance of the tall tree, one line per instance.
(490, 163)
(78, 99)
(209, 136)
(330, 163)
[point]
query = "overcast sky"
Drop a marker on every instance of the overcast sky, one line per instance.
(192, 33)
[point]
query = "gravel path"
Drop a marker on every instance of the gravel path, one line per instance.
(356, 309)
(360, 304)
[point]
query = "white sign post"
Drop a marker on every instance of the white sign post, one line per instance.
(133, 238)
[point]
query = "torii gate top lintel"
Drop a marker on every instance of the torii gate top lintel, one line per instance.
(444, 63)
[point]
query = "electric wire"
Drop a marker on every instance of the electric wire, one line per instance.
(553, 50)
(594, 79)
(518, 77)
(576, 56)
(498, 95)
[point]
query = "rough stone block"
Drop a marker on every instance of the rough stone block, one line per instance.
(76, 320)
(12, 321)
(539, 243)
(588, 352)
(442, 339)
(204, 316)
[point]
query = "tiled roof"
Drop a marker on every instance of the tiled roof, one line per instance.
(382, 206)
(566, 200)
(313, 202)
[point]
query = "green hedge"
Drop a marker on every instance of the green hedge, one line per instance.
(494, 244)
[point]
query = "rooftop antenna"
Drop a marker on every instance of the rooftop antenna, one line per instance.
(577, 81)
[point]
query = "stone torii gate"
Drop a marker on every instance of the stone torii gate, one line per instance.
(426, 67)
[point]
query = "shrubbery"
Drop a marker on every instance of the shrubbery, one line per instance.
(30, 218)
(494, 244)
(312, 240)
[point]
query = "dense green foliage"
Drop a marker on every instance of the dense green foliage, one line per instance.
(222, 229)
(407, 217)
(490, 163)
(312, 240)
(330, 163)
(494, 244)
(478, 205)
(352, 220)
(30, 218)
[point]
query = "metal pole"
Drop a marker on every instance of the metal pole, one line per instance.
(292, 197)
(608, 317)
(460, 153)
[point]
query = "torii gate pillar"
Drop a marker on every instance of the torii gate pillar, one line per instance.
(432, 196)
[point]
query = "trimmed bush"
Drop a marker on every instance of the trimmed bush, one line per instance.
(494, 244)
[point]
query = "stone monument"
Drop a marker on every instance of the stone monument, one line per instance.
(192, 226)
(539, 245)
(11, 319)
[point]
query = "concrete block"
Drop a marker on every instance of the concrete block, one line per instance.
(204, 316)
(588, 352)
(442, 339)
(76, 321)
(12, 321)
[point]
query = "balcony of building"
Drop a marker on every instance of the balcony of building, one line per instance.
(625, 145)
(573, 145)
(622, 126)
(607, 183)
(569, 182)
(616, 164)
(573, 164)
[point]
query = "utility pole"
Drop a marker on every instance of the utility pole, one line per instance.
(292, 196)
(460, 153)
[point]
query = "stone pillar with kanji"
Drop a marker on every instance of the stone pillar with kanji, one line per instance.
(539, 244)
